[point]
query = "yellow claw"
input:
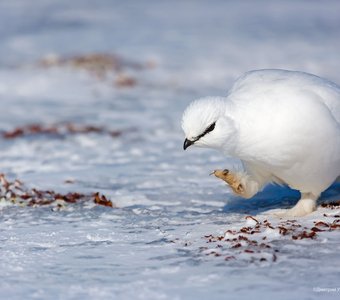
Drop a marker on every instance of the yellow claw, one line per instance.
(230, 179)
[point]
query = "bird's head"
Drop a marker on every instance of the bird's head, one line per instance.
(205, 123)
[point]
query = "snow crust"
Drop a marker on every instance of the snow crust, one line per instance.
(154, 245)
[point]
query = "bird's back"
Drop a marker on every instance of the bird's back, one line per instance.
(278, 85)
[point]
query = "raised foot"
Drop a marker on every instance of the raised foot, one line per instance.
(231, 179)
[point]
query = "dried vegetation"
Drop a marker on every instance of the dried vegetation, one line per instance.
(15, 192)
(256, 242)
(57, 130)
(101, 66)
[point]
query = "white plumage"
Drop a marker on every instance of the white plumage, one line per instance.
(283, 125)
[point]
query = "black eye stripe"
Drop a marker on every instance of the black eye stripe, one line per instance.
(209, 129)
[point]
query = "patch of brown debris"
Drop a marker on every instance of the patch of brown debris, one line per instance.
(99, 65)
(16, 193)
(331, 205)
(59, 130)
(254, 243)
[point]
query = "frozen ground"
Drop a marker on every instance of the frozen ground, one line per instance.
(160, 243)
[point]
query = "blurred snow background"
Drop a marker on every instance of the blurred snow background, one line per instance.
(147, 248)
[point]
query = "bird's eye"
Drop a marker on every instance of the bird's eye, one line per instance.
(210, 128)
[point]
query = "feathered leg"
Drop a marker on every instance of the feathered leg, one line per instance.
(305, 206)
(242, 184)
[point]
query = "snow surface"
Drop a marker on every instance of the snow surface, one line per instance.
(150, 247)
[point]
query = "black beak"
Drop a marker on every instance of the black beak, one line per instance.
(187, 143)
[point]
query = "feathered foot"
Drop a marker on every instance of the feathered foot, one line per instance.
(232, 179)
(305, 206)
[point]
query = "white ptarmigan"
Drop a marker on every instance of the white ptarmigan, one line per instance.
(284, 126)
